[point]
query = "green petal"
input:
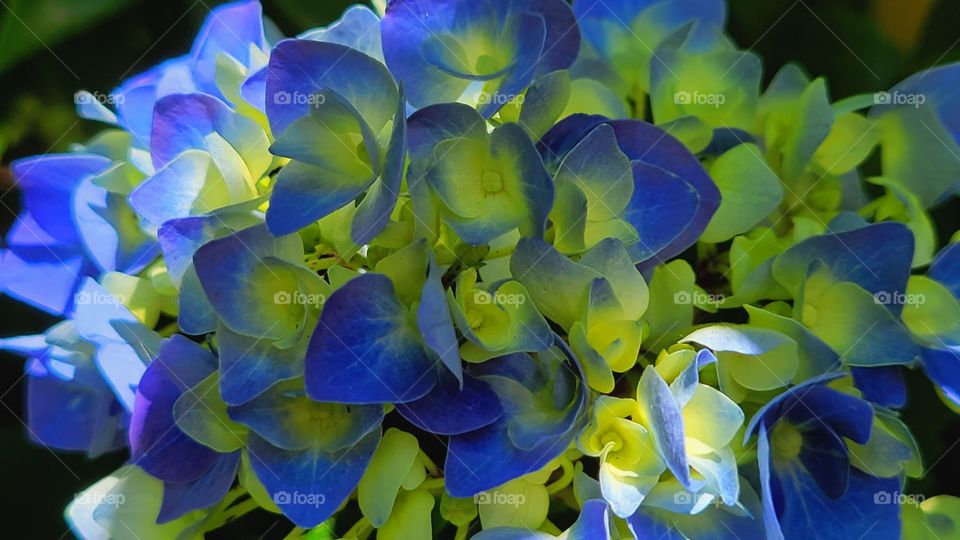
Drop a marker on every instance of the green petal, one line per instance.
(381, 481)
(750, 192)
(410, 519)
(202, 414)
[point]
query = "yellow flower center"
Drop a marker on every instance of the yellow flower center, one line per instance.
(786, 441)
(491, 182)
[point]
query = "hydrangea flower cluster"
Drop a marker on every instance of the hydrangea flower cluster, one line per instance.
(501, 269)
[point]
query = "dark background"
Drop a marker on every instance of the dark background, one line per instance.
(49, 49)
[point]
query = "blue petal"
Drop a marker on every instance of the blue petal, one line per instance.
(196, 316)
(532, 31)
(662, 214)
(69, 415)
(435, 323)
(227, 268)
(374, 211)
(302, 68)
(109, 230)
(943, 368)
(806, 512)
(326, 173)
(405, 28)
(195, 122)
(715, 522)
(562, 42)
(882, 385)
(101, 318)
(204, 492)
(771, 524)
(179, 240)
(662, 412)
(812, 403)
(365, 350)
(137, 96)
(37, 273)
(485, 458)
(945, 268)
(232, 29)
(654, 148)
(156, 443)
(855, 256)
(594, 522)
(309, 485)
(47, 183)
(248, 365)
(358, 28)
(286, 418)
(565, 135)
(420, 52)
(449, 409)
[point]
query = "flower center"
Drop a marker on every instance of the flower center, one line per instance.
(613, 439)
(786, 441)
(474, 318)
(491, 182)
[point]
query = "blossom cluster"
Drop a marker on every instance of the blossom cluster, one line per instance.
(511, 269)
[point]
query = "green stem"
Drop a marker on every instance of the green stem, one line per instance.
(360, 530)
(432, 468)
(238, 510)
(297, 532)
(432, 483)
(564, 480)
(549, 527)
(169, 329)
(462, 531)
